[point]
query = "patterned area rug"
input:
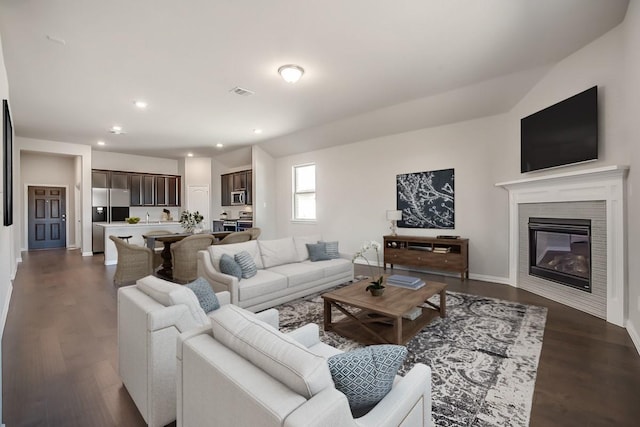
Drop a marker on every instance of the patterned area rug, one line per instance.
(483, 356)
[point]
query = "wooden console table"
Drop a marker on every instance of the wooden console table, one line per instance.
(428, 252)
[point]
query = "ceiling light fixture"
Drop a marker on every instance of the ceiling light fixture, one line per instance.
(219, 145)
(100, 142)
(189, 154)
(117, 130)
(257, 131)
(140, 104)
(291, 73)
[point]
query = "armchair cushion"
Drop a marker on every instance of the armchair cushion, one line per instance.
(228, 265)
(366, 375)
(167, 294)
(206, 297)
(247, 265)
(280, 356)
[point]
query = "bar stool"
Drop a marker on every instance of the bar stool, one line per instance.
(124, 238)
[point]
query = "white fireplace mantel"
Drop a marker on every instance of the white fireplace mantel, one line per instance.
(605, 183)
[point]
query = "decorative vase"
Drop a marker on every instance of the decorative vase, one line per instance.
(198, 229)
(376, 292)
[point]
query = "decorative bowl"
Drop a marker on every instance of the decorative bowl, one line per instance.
(133, 220)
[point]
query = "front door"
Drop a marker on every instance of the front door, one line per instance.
(47, 228)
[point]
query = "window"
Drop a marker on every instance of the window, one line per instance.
(304, 192)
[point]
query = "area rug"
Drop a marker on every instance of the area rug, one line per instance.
(483, 356)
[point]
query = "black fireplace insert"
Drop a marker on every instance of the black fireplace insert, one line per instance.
(560, 251)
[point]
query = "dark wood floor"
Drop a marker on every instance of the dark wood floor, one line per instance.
(60, 360)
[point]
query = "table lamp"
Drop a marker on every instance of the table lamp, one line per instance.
(394, 216)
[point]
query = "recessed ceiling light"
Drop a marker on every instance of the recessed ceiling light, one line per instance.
(140, 104)
(100, 142)
(219, 145)
(189, 154)
(257, 131)
(116, 130)
(291, 73)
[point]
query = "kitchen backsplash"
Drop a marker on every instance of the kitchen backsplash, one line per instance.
(155, 212)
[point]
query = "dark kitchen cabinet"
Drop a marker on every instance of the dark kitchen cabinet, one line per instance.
(120, 180)
(99, 179)
(167, 191)
(236, 181)
(143, 188)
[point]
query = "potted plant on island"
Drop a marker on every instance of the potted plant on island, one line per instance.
(375, 286)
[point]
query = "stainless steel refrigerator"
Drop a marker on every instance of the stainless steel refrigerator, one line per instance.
(107, 205)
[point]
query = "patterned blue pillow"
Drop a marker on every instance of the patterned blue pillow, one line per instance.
(317, 252)
(332, 249)
(206, 297)
(247, 264)
(229, 266)
(366, 375)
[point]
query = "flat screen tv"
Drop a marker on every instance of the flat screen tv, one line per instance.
(562, 134)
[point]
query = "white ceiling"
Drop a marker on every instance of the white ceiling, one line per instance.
(368, 63)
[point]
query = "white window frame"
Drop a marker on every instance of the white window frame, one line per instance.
(294, 193)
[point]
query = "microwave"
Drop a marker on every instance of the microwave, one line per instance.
(237, 197)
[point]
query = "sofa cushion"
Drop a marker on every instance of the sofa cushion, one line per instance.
(277, 252)
(317, 252)
(332, 249)
(168, 294)
(205, 294)
(216, 251)
(228, 265)
(263, 283)
(333, 267)
(272, 351)
(366, 375)
(298, 273)
(300, 243)
(247, 265)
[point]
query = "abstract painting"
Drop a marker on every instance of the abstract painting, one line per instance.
(426, 199)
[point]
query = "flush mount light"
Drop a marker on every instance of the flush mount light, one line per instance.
(257, 131)
(189, 154)
(100, 142)
(117, 130)
(291, 73)
(140, 104)
(219, 145)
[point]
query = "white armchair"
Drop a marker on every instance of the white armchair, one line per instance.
(151, 315)
(241, 372)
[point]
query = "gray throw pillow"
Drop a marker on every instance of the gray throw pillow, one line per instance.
(205, 294)
(366, 375)
(247, 264)
(332, 249)
(229, 266)
(317, 251)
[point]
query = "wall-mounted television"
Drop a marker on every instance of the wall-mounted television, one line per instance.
(562, 134)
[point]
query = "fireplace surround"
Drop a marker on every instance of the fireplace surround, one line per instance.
(604, 186)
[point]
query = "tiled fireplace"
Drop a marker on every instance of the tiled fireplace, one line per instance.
(567, 239)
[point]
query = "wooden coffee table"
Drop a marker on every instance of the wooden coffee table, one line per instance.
(378, 320)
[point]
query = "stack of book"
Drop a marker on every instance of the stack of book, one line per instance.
(405, 281)
(441, 250)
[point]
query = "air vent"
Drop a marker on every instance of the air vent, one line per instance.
(242, 92)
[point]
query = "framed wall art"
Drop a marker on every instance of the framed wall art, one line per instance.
(426, 199)
(7, 150)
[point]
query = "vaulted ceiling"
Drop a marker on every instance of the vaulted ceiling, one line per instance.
(75, 68)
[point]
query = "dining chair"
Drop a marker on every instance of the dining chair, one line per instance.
(159, 246)
(184, 256)
(236, 237)
(255, 232)
(134, 262)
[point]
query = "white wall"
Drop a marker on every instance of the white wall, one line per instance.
(8, 263)
(133, 163)
(631, 84)
(264, 193)
(50, 171)
(356, 185)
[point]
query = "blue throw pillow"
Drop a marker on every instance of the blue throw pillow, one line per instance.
(366, 375)
(206, 297)
(332, 249)
(229, 266)
(247, 264)
(317, 251)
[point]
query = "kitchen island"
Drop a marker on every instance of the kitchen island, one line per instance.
(135, 231)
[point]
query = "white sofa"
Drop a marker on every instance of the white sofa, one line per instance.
(240, 372)
(151, 315)
(284, 271)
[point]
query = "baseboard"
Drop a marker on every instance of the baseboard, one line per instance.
(634, 335)
(5, 309)
(494, 279)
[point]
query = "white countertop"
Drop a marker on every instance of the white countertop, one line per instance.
(139, 224)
